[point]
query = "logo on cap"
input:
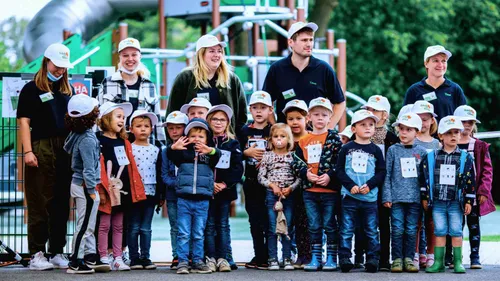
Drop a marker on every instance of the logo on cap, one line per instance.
(406, 117)
(64, 55)
(195, 100)
(470, 111)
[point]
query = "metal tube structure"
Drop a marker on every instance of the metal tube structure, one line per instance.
(341, 74)
(276, 28)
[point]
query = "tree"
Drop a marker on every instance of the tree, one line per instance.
(321, 14)
(11, 37)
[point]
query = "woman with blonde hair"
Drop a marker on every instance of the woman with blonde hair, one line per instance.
(43, 104)
(210, 77)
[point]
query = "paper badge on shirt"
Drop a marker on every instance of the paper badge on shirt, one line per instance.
(447, 174)
(134, 94)
(203, 95)
(288, 94)
(359, 162)
(430, 96)
(408, 167)
(313, 153)
(224, 160)
(46, 97)
(121, 156)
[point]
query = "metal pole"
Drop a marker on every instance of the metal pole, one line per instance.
(341, 74)
(330, 44)
(162, 30)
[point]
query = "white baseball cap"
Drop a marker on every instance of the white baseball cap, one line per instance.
(361, 115)
(434, 50)
(421, 107)
(300, 104)
(201, 102)
(58, 54)
(129, 43)
(466, 113)
(261, 97)
(141, 112)
(378, 103)
(410, 120)
(405, 109)
(208, 40)
(109, 106)
(300, 25)
(176, 117)
(222, 107)
(450, 122)
(347, 132)
(323, 102)
(196, 123)
(81, 105)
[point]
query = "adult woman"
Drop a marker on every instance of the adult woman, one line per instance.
(42, 106)
(443, 93)
(211, 78)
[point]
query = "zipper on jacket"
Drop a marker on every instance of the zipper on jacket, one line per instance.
(195, 172)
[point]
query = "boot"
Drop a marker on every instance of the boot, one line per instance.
(315, 263)
(331, 258)
(438, 265)
(457, 260)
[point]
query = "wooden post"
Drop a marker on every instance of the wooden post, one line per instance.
(256, 36)
(301, 14)
(341, 74)
(123, 30)
(291, 6)
(330, 41)
(66, 34)
(216, 15)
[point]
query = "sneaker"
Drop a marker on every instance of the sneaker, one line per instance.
(410, 265)
(298, 263)
(59, 261)
(119, 264)
(233, 265)
(273, 265)
(201, 267)
(182, 268)
(422, 260)
(383, 266)
(262, 265)
(475, 264)
(252, 263)
(40, 262)
(345, 264)
(79, 268)
(430, 260)
(223, 265)
(175, 263)
(211, 263)
(93, 261)
(397, 266)
(136, 264)
(359, 265)
(125, 257)
(288, 264)
(148, 264)
(372, 266)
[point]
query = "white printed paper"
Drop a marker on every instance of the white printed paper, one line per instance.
(224, 160)
(408, 167)
(430, 96)
(11, 88)
(260, 143)
(288, 94)
(46, 97)
(121, 156)
(447, 174)
(359, 162)
(204, 96)
(313, 153)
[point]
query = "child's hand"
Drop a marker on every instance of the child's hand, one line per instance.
(364, 189)
(355, 189)
(92, 196)
(286, 191)
(323, 180)
(254, 152)
(425, 204)
(202, 148)
(311, 176)
(468, 208)
(482, 199)
(388, 204)
(218, 187)
(180, 144)
(275, 188)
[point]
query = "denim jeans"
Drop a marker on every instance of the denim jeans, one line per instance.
(404, 222)
(255, 205)
(272, 237)
(172, 219)
(448, 218)
(367, 212)
(191, 220)
(320, 210)
(139, 227)
(217, 233)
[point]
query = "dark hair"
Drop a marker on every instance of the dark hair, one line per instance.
(83, 123)
(295, 109)
(302, 30)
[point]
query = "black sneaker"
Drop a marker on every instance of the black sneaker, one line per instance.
(252, 264)
(136, 264)
(94, 261)
(148, 264)
(200, 267)
(79, 268)
(345, 264)
(383, 266)
(175, 263)
(262, 265)
(372, 266)
(475, 263)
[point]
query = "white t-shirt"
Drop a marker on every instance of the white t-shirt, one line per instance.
(145, 158)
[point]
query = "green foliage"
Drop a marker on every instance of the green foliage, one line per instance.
(11, 43)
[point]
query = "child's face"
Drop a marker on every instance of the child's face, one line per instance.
(197, 136)
(382, 116)
(344, 139)
(364, 129)
(175, 131)
(219, 123)
(296, 121)
(117, 120)
(468, 127)
(407, 134)
(451, 137)
(197, 112)
(279, 139)
(141, 128)
(427, 121)
(320, 117)
(260, 112)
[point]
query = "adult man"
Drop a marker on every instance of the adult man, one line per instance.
(302, 76)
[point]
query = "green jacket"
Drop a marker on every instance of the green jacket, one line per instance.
(184, 90)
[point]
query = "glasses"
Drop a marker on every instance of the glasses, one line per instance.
(217, 120)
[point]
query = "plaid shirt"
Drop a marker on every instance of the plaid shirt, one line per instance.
(446, 192)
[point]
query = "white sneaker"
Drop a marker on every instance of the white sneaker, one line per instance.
(59, 261)
(125, 258)
(430, 260)
(40, 262)
(416, 260)
(119, 265)
(210, 262)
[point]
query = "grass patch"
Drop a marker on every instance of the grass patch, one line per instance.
(489, 238)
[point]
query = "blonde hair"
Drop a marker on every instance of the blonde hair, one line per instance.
(200, 71)
(42, 82)
(228, 131)
(434, 126)
(105, 124)
(288, 132)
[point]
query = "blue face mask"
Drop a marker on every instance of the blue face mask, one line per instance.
(52, 77)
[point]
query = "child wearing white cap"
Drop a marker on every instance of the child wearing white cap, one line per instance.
(196, 108)
(361, 171)
(346, 135)
(425, 110)
(449, 187)
(401, 192)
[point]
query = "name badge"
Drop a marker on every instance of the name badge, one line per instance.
(259, 143)
(313, 153)
(204, 96)
(224, 160)
(133, 94)
(46, 97)
(359, 162)
(447, 174)
(288, 94)
(430, 96)
(408, 167)
(121, 156)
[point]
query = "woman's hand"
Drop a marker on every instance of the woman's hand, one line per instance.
(30, 159)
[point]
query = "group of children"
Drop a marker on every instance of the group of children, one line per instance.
(360, 182)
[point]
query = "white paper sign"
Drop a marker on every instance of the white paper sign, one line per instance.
(288, 94)
(260, 143)
(204, 96)
(46, 97)
(408, 167)
(11, 88)
(133, 93)
(359, 162)
(447, 174)
(224, 160)
(121, 156)
(430, 96)
(313, 153)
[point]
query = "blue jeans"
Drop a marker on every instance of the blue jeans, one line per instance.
(367, 212)
(404, 223)
(448, 218)
(191, 220)
(320, 210)
(172, 219)
(272, 237)
(217, 233)
(139, 226)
